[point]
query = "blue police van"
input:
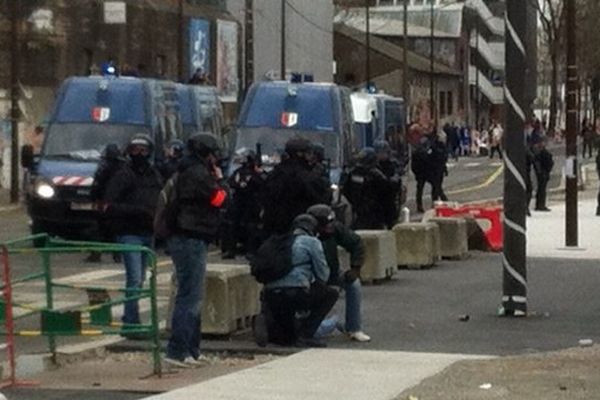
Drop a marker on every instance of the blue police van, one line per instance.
(88, 114)
(275, 111)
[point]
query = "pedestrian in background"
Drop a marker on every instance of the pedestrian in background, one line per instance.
(129, 204)
(438, 159)
(496, 134)
(199, 197)
(587, 136)
(542, 164)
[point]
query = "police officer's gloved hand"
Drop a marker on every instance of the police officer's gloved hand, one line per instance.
(352, 274)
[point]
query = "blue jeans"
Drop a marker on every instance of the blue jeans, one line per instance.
(135, 274)
(353, 306)
(353, 321)
(189, 257)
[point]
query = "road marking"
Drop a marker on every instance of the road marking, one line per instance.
(487, 182)
(9, 208)
(89, 276)
(472, 164)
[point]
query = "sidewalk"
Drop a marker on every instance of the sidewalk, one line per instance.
(383, 375)
(5, 204)
(546, 232)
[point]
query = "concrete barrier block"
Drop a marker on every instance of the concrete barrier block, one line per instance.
(231, 299)
(417, 244)
(380, 254)
(453, 237)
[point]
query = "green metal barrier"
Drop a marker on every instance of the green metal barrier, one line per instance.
(70, 322)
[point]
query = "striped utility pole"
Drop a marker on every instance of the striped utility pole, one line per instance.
(514, 260)
(571, 226)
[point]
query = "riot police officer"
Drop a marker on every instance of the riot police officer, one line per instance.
(246, 184)
(365, 186)
(391, 168)
(292, 187)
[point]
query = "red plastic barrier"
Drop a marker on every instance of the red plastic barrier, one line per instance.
(493, 233)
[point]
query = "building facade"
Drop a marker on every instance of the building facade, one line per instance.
(467, 38)
(307, 40)
(56, 39)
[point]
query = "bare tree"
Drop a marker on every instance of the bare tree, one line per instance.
(588, 15)
(552, 21)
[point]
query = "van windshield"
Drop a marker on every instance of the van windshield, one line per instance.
(86, 141)
(272, 142)
(271, 105)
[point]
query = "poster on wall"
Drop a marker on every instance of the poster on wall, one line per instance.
(199, 50)
(227, 60)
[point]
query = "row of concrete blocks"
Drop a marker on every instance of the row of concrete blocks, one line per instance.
(231, 297)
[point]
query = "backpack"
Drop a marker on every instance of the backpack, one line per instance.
(165, 217)
(273, 259)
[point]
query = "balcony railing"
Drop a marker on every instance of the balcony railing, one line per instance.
(495, 94)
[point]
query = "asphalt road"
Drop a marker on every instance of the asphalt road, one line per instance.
(419, 310)
(479, 178)
(46, 394)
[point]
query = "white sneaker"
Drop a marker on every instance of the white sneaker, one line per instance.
(195, 362)
(173, 362)
(359, 336)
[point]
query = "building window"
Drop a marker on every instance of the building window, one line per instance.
(450, 103)
(161, 65)
(386, 2)
(442, 104)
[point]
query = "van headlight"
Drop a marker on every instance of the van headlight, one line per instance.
(44, 190)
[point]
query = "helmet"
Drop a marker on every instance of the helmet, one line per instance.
(141, 139)
(176, 145)
(306, 223)
(111, 152)
(367, 156)
(203, 144)
(297, 147)
(246, 155)
(381, 146)
(323, 213)
(319, 151)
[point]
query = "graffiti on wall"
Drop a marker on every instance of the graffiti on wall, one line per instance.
(444, 51)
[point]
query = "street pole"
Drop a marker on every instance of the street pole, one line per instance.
(431, 70)
(368, 55)
(514, 261)
(14, 101)
(477, 96)
(405, 58)
(283, 68)
(249, 44)
(180, 40)
(571, 151)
